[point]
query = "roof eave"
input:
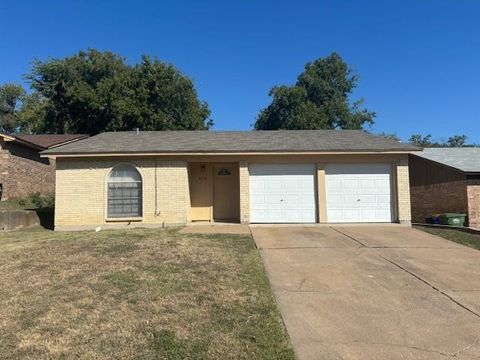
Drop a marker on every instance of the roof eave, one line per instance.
(50, 154)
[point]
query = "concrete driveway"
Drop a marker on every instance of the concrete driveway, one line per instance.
(373, 292)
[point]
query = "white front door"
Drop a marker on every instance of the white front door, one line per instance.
(282, 193)
(358, 193)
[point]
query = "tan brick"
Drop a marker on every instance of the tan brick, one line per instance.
(81, 192)
(244, 192)
(403, 191)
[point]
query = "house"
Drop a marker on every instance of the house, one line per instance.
(446, 180)
(176, 177)
(22, 170)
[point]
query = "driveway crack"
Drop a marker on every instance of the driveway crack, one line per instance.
(348, 236)
(431, 285)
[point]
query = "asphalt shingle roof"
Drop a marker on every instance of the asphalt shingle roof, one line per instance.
(231, 142)
(49, 140)
(464, 159)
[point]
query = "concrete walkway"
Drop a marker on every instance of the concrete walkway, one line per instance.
(374, 292)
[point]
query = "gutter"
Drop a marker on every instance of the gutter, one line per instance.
(199, 153)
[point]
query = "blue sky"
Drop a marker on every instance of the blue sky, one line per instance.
(418, 59)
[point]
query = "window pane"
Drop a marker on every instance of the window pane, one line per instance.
(124, 197)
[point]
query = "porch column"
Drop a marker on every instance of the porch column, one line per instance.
(321, 194)
(244, 192)
(403, 191)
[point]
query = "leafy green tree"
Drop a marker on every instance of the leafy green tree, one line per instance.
(390, 136)
(426, 141)
(11, 97)
(318, 100)
(32, 114)
(95, 91)
(457, 141)
(422, 141)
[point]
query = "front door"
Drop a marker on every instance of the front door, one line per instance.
(200, 182)
(226, 193)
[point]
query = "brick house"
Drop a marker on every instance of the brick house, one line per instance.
(446, 180)
(22, 170)
(150, 178)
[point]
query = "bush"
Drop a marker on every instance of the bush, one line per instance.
(36, 200)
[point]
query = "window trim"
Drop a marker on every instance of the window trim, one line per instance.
(125, 218)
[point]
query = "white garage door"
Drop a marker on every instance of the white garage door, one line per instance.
(282, 193)
(358, 193)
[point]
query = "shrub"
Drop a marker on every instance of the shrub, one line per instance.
(37, 200)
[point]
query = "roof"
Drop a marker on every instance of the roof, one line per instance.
(48, 141)
(281, 141)
(44, 141)
(466, 159)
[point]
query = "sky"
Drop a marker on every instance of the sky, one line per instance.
(418, 60)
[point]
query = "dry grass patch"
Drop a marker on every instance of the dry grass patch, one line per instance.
(142, 294)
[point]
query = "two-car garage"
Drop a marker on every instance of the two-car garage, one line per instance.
(289, 193)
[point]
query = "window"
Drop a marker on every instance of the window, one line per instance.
(224, 172)
(124, 192)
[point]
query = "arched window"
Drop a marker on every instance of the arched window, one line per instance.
(124, 192)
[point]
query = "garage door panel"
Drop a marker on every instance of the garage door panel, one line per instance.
(367, 200)
(367, 184)
(290, 200)
(384, 200)
(290, 185)
(308, 201)
(257, 186)
(287, 192)
(358, 192)
(351, 214)
(350, 184)
(257, 199)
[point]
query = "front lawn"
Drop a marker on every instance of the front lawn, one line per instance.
(142, 294)
(464, 238)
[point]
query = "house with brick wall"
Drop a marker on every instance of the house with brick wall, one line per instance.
(22, 170)
(157, 178)
(445, 180)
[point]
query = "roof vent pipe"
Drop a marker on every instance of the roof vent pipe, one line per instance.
(138, 130)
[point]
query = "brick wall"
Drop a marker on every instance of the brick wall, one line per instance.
(244, 192)
(22, 171)
(435, 189)
(473, 194)
(81, 192)
(81, 188)
(403, 191)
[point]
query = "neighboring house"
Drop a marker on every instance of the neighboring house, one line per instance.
(22, 171)
(177, 177)
(446, 180)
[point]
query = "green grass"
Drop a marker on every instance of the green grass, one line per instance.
(136, 294)
(458, 236)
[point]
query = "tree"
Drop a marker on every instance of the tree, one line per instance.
(390, 136)
(11, 97)
(95, 91)
(318, 100)
(457, 141)
(426, 141)
(421, 141)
